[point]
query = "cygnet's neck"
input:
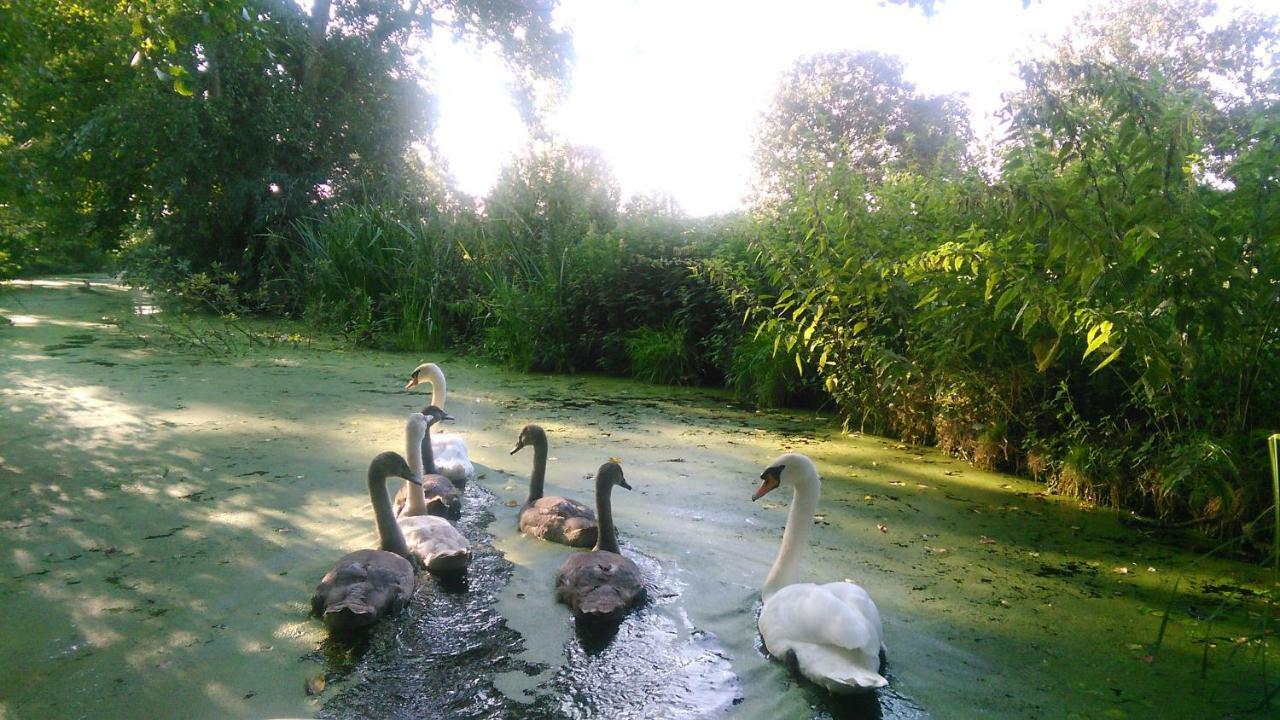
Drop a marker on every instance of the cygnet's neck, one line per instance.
(537, 478)
(606, 539)
(795, 537)
(415, 441)
(390, 538)
(428, 455)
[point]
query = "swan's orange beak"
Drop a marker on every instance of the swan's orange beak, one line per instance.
(413, 381)
(771, 478)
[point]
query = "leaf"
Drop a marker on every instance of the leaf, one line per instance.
(928, 298)
(1044, 355)
(1098, 336)
(1115, 354)
(181, 87)
(1006, 297)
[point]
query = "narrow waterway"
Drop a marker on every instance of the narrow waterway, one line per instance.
(167, 513)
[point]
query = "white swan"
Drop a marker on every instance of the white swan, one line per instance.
(832, 631)
(450, 451)
(432, 541)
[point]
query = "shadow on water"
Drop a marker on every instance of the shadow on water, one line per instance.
(884, 704)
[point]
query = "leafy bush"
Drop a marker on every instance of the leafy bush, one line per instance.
(390, 273)
(660, 355)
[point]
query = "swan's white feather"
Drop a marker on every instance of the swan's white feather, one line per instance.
(451, 458)
(834, 630)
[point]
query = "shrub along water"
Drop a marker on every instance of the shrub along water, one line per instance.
(1098, 305)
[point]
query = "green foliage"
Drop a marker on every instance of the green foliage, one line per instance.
(757, 374)
(661, 355)
(205, 126)
(855, 112)
(391, 273)
(571, 275)
(1105, 311)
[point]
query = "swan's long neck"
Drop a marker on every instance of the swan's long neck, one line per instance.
(538, 477)
(390, 538)
(606, 539)
(428, 457)
(415, 443)
(439, 391)
(794, 539)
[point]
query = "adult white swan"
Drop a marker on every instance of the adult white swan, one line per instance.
(450, 451)
(832, 631)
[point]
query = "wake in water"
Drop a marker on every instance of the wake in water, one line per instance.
(440, 659)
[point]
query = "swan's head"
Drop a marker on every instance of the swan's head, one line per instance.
(610, 473)
(426, 372)
(434, 415)
(416, 427)
(529, 435)
(791, 469)
(393, 464)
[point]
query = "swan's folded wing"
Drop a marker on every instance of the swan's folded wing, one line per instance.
(807, 613)
(857, 598)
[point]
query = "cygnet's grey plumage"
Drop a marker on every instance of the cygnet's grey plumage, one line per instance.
(443, 498)
(600, 586)
(366, 585)
(554, 518)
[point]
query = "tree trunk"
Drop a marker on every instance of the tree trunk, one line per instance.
(311, 66)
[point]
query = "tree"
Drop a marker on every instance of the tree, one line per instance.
(552, 198)
(855, 110)
(196, 125)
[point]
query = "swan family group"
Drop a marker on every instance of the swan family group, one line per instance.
(830, 632)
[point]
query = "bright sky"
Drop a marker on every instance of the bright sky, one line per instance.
(671, 91)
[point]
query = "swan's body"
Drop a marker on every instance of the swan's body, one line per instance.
(432, 541)
(833, 631)
(554, 518)
(601, 585)
(450, 451)
(443, 498)
(368, 584)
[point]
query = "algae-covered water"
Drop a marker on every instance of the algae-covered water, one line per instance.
(166, 514)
